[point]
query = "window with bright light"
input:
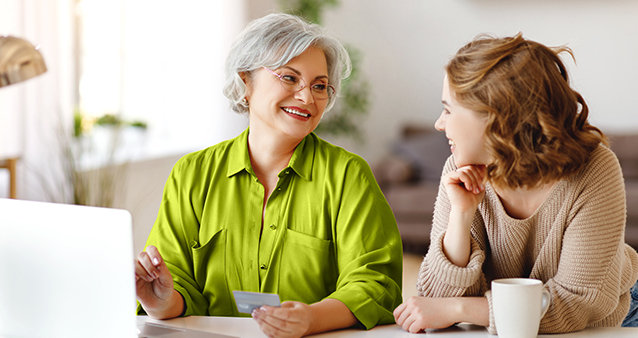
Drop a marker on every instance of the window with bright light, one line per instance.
(160, 62)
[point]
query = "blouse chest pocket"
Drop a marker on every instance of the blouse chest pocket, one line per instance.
(308, 272)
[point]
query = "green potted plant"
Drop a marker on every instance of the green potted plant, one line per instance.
(92, 173)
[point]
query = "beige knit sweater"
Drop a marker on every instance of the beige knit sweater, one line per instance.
(574, 243)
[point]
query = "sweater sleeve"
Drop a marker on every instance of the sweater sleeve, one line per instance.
(595, 268)
(438, 277)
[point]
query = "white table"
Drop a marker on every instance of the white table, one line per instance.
(247, 328)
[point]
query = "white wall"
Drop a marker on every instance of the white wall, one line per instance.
(406, 43)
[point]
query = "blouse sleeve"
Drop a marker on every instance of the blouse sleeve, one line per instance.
(368, 249)
(438, 277)
(173, 233)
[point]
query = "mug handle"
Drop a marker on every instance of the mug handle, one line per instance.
(544, 303)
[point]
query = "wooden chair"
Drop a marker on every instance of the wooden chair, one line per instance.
(10, 164)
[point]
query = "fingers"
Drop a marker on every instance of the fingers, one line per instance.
(270, 325)
(469, 178)
(284, 321)
(403, 315)
(149, 265)
(408, 315)
(154, 254)
(144, 268)
(472, 177)
(398, 311)
(415, 327)
(165, 276)
(407, 321)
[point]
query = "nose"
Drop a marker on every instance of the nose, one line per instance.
(305, 95)
(440, 123)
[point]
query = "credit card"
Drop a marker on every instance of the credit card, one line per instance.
(248, 301)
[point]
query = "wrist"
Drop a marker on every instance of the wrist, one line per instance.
(312, 323)
(473, 310)
(457, 309)
(464, 215)
(170, 308)
(327, 315)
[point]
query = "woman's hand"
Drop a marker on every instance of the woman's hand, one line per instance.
(465, 187)
(420, 313)
(154, 286)
(292, 319)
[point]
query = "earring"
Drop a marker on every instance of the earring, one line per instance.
(244, 102)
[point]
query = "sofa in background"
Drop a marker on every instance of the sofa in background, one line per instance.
(409, 178)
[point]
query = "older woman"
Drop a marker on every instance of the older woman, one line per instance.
(276, 209)
(531, 190)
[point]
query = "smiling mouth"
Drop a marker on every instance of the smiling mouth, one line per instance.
(294, 112)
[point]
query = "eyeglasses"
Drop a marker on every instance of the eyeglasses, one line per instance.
(294, 83)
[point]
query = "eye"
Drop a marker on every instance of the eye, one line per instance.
(319, 87)
(289, 79)
(446, 111)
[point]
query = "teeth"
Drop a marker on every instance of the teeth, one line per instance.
(450, 142)
(291, 111)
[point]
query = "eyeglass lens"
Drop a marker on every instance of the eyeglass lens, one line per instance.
(294, 83)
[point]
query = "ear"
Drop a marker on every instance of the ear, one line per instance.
(245, 76)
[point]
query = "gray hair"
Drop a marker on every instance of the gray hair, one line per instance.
(272, 41)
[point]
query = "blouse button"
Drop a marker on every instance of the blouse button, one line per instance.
(272, 226)
(263, 266)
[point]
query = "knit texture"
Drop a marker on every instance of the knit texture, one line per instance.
(574, 243)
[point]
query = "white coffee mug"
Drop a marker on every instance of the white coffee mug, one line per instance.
(518, 305)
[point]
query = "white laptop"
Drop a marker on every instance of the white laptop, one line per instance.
(68, 271)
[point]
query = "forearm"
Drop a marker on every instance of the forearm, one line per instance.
(456, 243)
(473, 310)
(171, 308)
(330, 314)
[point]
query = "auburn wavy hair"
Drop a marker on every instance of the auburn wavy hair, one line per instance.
(537, 129)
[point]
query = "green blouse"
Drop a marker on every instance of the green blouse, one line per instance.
(328, 231)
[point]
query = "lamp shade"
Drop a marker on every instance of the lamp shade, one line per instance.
(19, 61)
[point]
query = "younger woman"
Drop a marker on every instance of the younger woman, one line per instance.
(531, 190)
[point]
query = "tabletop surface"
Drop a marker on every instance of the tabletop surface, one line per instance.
(247, 328)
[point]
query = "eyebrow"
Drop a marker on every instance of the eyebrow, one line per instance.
(445, 103)
(299, 73)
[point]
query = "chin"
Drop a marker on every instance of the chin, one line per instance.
(460, 162)
(298, 133)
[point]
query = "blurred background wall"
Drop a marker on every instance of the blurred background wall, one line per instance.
(162, 62)
(406, 43)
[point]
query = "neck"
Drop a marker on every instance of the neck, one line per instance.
(269, 152)
(522, 203)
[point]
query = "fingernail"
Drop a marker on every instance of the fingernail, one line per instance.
(255, 314)
(155, 261)
(262, 309)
